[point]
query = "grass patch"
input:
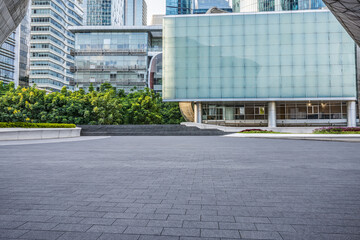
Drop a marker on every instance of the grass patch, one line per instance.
(337, 130)
(35, 125)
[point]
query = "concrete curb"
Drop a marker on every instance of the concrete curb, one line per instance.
(7, 134)
(321, 137)
(238, 129)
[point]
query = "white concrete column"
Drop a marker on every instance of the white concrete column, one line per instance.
(197, 112)
(272, 114)
(351, 114)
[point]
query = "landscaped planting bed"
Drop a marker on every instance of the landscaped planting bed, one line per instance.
(337, 130)
(35, 125)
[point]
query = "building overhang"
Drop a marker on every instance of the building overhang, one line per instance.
(155, 30)
(262, 99)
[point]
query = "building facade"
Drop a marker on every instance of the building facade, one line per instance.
(51, 43)
(266, 69)
(135, 13)
(116, 55)
(103, 12)
(115, 12)
(179, 7)
(275, 5)
(9, 59)
(24, 48)
(11, 14)
(202, 6)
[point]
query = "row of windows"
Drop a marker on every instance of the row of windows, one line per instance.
(46, 45)
(7, 60)
(47, 55)
(6, 73)
(46, 64)
(8, 47)
(47, 37)
(44, 81)
(47, 72)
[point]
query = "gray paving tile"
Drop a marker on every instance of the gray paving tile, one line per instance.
(80, 236)
(197, 224)
(131, 222)
(107, 229)
(220, 233)
(72, 227)
(10, 225)
(37, 226)
(260, 235)
(164, 223)
(10, 233)
(237, 226)
(225, 187)
(112, 236)
(144, 230)
(102, 221)
(42, 235)
(191, 232)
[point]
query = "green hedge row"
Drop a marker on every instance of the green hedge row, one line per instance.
(35, 125)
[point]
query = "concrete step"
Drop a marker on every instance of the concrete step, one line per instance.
(147, 130)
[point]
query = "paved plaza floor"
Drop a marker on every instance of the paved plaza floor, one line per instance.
(184, 188)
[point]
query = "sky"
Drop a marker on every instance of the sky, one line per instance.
(155, 7)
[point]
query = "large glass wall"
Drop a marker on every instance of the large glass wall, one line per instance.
(111, 41)
(287, 113)
(281, 55)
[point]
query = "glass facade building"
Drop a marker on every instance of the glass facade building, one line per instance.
(8, 59)
(119, 56)
(237, 64)
(135, 13)
(178, 7)
(275, 5)
(51, 43)
(115, 12)
(202, 6)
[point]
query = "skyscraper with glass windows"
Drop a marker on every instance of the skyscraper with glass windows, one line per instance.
(202, 6)
(51, 43)
(114, 12)
(177, 7)
(135, 13)
(9, 64)
(275, 5)
(103, 12)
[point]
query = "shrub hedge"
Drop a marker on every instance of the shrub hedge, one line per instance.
(256, 131)
(35, 125)
(337, 130)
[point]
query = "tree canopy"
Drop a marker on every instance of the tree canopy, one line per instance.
(104, 107)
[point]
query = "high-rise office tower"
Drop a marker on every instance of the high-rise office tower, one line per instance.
(114, 12)
(9, 58)
(275, 5)
(103, 12)
(135, 12)
(202, 6)
(24, 47)
(176, 7)
(51, 43)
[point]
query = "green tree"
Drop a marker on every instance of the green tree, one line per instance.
(91, 88)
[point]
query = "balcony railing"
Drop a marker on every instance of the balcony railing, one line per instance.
(109, 52)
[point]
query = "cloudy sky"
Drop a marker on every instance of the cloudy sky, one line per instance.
(155, 7)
